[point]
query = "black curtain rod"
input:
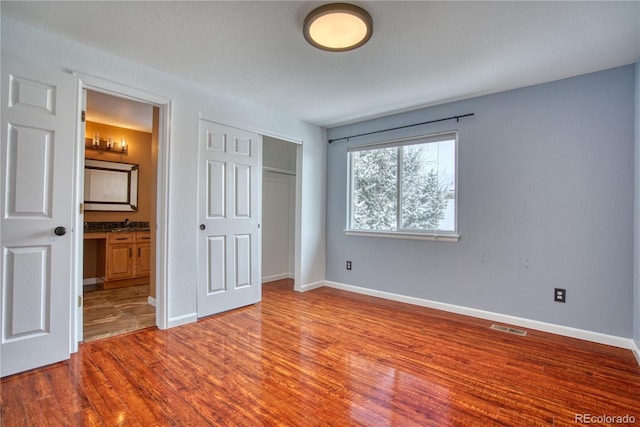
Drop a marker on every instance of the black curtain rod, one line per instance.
(457, 119)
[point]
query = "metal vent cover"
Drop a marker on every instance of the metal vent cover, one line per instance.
(509, 330)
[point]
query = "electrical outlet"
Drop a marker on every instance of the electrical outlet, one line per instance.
(348, 265)
(560, 295)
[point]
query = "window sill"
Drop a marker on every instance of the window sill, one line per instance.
(404, 235)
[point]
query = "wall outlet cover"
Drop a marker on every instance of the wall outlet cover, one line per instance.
(560, 295)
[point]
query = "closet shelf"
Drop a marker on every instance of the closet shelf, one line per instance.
(276, 170)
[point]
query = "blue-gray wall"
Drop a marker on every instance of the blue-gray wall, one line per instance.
(546, 199)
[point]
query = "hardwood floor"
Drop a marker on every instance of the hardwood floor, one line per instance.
(116, 311)
(328, 358)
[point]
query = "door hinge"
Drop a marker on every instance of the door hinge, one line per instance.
(81, 208)
(79, 300)
(84, 116)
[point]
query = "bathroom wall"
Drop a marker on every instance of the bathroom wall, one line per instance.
(139, 152)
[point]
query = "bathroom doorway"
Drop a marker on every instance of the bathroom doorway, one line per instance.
(119, 290)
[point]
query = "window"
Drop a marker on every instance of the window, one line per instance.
(404, 188)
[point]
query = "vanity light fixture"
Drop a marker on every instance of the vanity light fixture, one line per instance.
(338, 27)
(96, 143)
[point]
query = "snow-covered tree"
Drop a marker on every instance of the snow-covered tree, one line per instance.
(374, 186)
(375, 189)
(424, 196)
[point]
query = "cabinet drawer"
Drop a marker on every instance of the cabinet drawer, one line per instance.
(143, 236)
(120, 238)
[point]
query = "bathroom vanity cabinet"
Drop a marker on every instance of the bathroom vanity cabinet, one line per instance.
(122, 258)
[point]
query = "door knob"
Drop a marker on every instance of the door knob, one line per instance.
(202, 226)
(60, 231)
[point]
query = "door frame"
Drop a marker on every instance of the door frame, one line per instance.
(98, 84)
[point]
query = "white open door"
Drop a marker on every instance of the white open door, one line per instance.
(229, 212)
(38, 136)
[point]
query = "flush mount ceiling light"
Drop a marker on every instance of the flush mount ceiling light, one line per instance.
(337, 27)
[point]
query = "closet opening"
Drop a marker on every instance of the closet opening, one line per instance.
(280, 162)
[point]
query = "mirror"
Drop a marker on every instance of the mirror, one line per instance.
(110, 186)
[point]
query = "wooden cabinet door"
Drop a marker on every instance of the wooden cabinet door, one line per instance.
(142, 254)
(143, 260)
(119, 261)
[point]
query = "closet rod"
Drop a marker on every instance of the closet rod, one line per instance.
(456, 118)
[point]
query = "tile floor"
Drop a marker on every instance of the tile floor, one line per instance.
(116, 311)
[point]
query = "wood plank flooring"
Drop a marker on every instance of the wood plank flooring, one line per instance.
(327, 358)
(110, 312)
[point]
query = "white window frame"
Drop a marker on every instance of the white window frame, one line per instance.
(449, 236)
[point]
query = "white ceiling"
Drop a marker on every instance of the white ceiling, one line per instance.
(421, 53)
(121, 112)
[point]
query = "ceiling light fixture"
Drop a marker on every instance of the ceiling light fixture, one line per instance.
(338, 27)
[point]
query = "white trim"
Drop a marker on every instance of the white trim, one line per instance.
(297, 233)
(496, 317)
(182, 320)
(109, 87)
(427, 138)
(203, 115)
(399, 232)
(151, 301)
(636, 351)
(77, 240)
(275, 277)
(404, 235)
(310, 286)
(162, 176)
(92, 281)
(162, 216)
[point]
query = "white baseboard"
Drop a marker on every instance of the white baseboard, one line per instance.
(275, 277)
(636, 351)
(310, 286)
(496, 317)
(151, 301)
(182, 320)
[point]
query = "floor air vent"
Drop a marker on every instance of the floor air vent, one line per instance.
(509, 330)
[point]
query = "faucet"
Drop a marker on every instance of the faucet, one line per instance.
(125, 223)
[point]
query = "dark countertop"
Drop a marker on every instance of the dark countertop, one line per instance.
(115, 227)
